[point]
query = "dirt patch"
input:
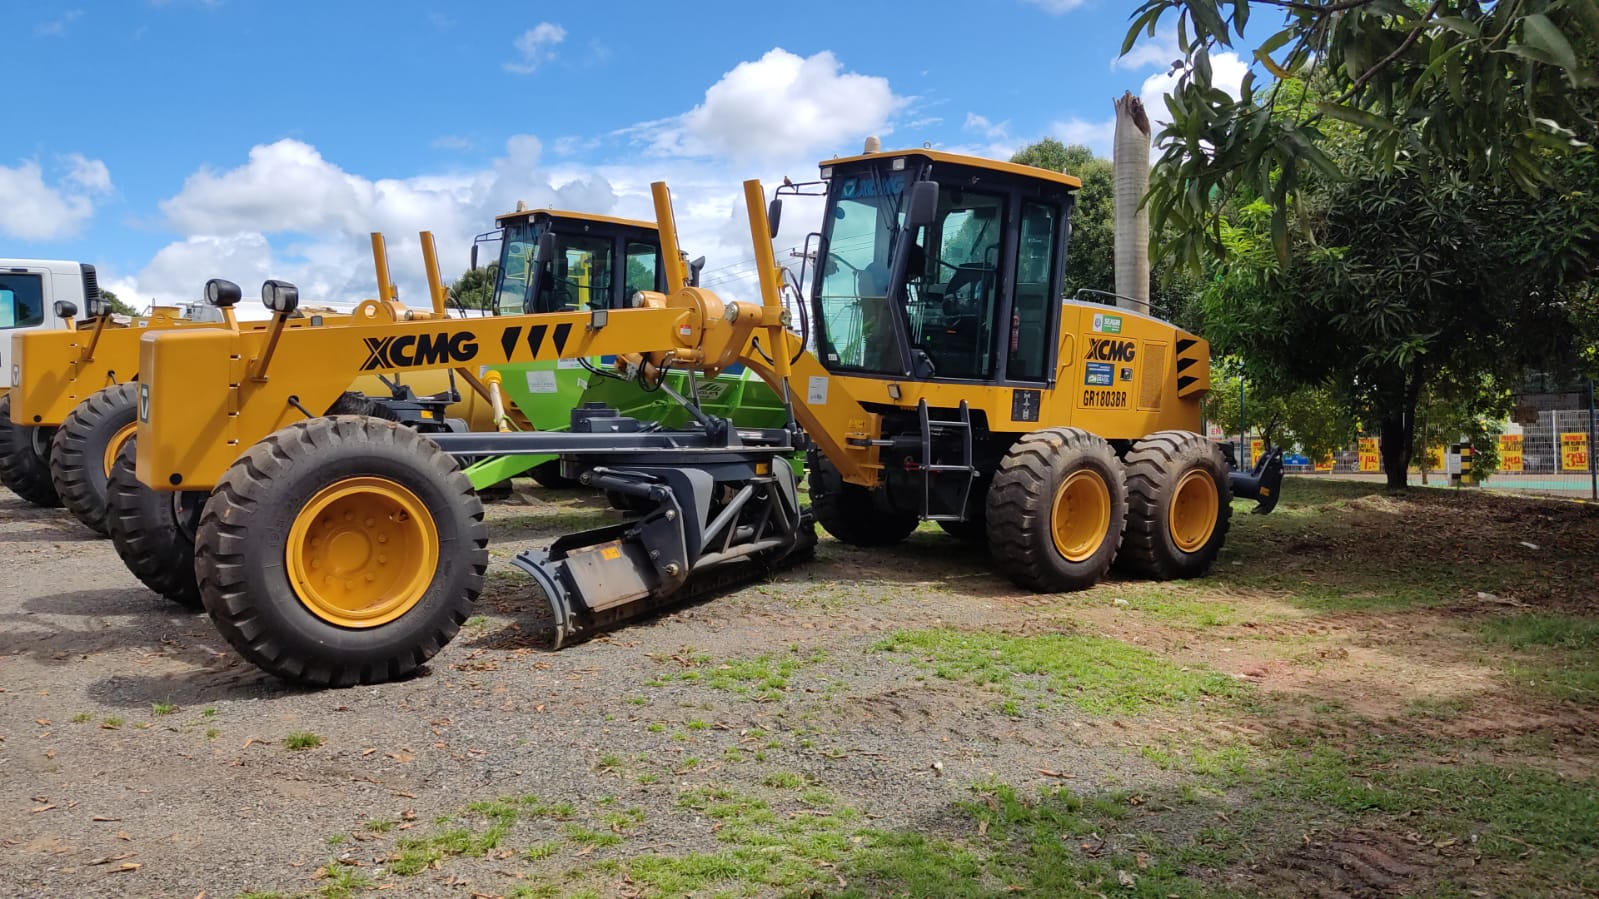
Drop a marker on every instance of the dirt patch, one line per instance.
(1353, 864)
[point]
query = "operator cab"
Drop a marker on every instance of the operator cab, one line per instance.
(553, 261)
(43, 295)
(940, 267)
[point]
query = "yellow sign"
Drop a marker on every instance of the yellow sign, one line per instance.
(1510, 452)
(1325, 463)
(1574, 451)
(1257, 448)
(1370, 457)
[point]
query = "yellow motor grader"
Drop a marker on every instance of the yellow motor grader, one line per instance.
(943, 379)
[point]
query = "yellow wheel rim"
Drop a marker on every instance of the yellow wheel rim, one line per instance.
(362, 552)
(1193, 511)
(1080, 516)
(114, 446)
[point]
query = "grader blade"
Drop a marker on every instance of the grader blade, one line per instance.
(705, 531)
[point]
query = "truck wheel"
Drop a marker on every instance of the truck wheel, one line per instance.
(25, 459)
(1056, 510)
(85, 449)
(851, 512)
(548, 475)
(1179, 506)
(340, 551)
(152, 531)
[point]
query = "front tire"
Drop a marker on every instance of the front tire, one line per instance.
(153, 531)
(85, 449)
(1056, 510)
(1179, 506)
(340, 551)
(25, 459)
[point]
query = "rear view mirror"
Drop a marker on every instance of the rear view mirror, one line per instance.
(774, 216)
(694, 269)
(546, 246)
(474, 257)
(922, 207)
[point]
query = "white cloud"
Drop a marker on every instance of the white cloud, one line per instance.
(36, 210)
(779, 107)
(1097, 136)
(536, 47)
(57, 27)
(1161, 50)
(288, 212)
(1056, 7)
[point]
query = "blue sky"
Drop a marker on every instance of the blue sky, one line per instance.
(170, 141)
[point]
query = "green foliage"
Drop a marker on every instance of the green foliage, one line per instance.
(301, 740)
(116, 304)
(1091, 258)
(475, 288)
(1314, 418)
(1494, 90)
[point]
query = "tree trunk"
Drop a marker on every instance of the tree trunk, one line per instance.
(1131, 161)
(1397, 434)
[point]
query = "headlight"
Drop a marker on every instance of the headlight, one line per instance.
(280, 296)
(221, 293)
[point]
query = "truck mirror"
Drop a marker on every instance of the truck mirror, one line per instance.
(474, 257)
(774, 216)
(546, 246)
(694, 269)
(922, 207)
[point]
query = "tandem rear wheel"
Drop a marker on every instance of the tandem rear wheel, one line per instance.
(341, 551)
(85, 449)
(153, 532)
(25, 459)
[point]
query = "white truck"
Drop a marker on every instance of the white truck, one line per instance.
(36, 294)
(41, 294)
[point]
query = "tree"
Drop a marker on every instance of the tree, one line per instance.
(475, 288)
(1496, 88)
(116, 304)
(1313, 418)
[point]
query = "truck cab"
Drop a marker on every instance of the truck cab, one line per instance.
(40, 295)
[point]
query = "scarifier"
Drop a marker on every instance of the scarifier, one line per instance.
(948, 382)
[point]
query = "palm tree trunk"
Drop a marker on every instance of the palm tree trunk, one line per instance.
(1131, 162)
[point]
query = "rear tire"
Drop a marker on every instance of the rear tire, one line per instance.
(548, 475)
(341, 551)
(1179, 506)
(852, 513)
(25, 459)
(85, 449)
(152, 531)
(1056, 510)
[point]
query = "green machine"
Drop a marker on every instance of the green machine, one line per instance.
(561, 261)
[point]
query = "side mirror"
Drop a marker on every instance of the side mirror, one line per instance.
(694, 269)
(280, 296)
(546, 246)
(474, 257)
(221, 293)
(774, 216)
(922, 206)
(66, 310)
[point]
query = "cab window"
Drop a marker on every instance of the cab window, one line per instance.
(579, 275)
(642, 264)
(1031, 310)
(21, 301)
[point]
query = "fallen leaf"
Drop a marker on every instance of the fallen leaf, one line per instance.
(44, 808)
(125, 867)
(1048, 773)
(103, 818)
(1126, 879)
(106, 860)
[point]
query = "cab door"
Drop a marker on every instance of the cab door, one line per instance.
(25, 305)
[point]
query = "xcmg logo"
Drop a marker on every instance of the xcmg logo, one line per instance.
(1110, 350)
(419, 349)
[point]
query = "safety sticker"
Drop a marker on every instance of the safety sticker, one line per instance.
(541, 382)
(816, 391)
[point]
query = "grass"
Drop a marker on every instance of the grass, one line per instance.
(1096, 674)
(764, 678)
(301, 740)
(162, 708)
(1556, 655)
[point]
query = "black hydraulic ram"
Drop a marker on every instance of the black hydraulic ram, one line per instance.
(715, 506)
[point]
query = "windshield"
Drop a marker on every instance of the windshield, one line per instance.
(516, 263)
(858, 235)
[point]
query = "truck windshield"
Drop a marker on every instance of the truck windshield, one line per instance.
(516, 264)
(863, 220)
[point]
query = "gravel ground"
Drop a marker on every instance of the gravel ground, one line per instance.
(139, 756)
